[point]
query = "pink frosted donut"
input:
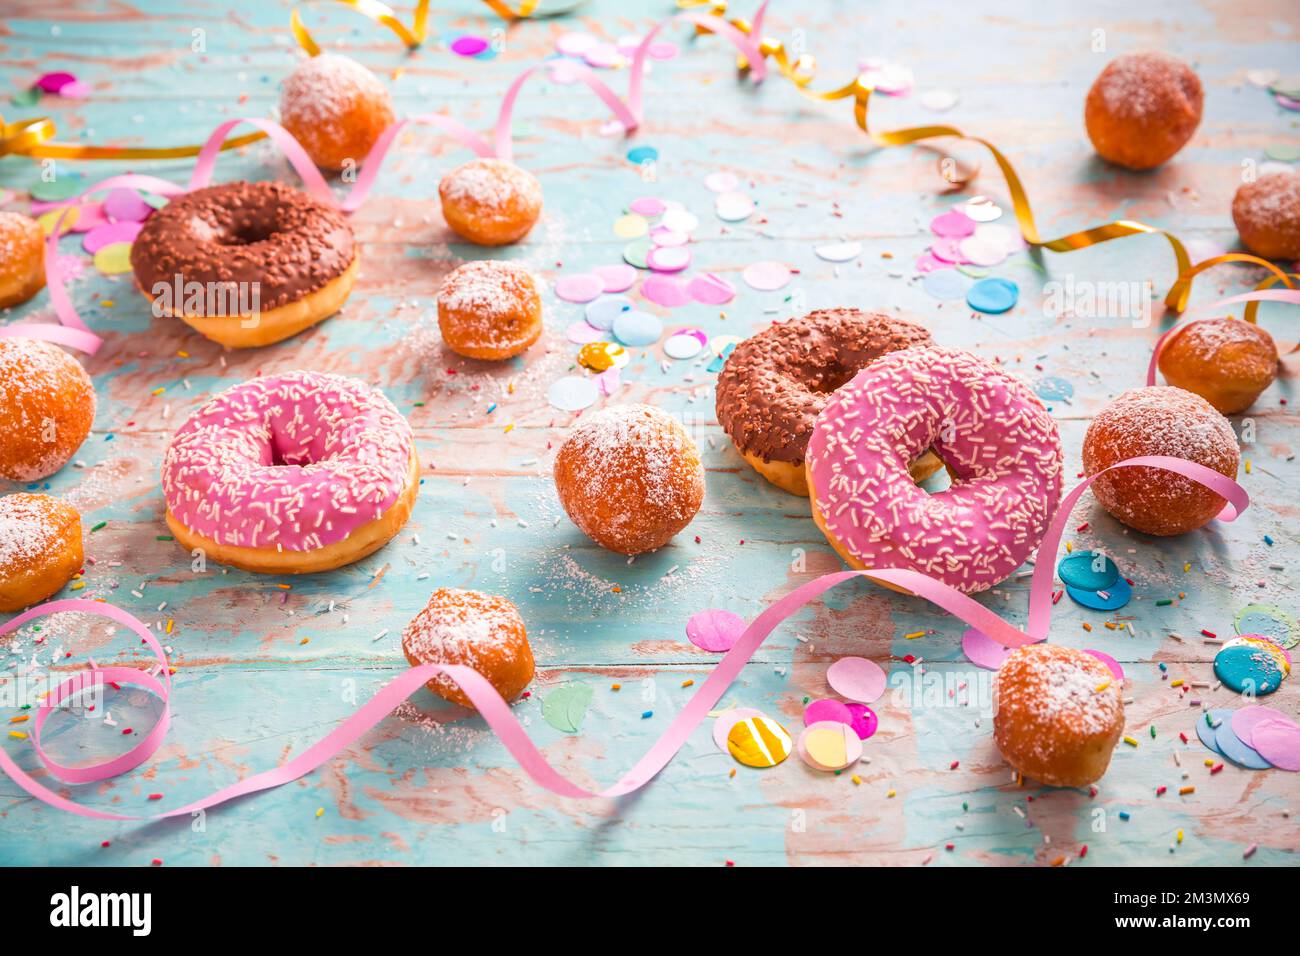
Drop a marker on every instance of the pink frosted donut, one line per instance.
(1000, 445)
(291, 473)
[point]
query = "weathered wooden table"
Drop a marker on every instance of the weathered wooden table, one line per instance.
(264, 671)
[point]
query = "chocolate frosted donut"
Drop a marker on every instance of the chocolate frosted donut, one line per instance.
(775, 383)
(246, 263)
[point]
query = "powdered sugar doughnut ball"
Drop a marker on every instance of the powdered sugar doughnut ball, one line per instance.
(489, 310)
(40, 548)
(1057, 714)
(1267, 215)
(47, 405)
(1228, 362)
(630, 477)
(1161, 420)
(490, 202)
(1143, 108)
(477, 630)
(22, 258)
(336, 108)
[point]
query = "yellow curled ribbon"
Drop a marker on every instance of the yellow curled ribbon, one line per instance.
(801, 71)
(414, 35)
(35, 138)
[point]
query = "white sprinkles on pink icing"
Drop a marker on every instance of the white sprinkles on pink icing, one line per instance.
(989, 428)
(294, 462)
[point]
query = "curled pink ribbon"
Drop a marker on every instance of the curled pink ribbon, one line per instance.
(1291, 296)
(496, 712)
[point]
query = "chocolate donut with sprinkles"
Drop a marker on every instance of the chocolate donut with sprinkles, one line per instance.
(291, 473)
(246, 264)
(775, 382)
(1000, 446)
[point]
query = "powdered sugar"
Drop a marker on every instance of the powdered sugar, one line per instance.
(29, 526)
(494, 188)
(1057, 698)
(495, 303)
(325, 88)
(1143, 85)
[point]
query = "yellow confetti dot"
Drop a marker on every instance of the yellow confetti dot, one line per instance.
(1130, 741)
(114, 258)
(759, 742)
(1248, 466)
(631, 226)
(49, 219)
(107, 303)
(856, 779)
(17, 735)
(320, 812)
(891, 794)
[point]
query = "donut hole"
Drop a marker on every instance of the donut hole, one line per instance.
(246, 234)
(830, 379)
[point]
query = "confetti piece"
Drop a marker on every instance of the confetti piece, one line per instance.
(469, 45)
(839, 251)
(759, 742)
(733, 206)
(602, 312)
(564, 707)
(636, 328)
(572, 393)
(829, 746)
(114, 259)
(616, 278)
(856, 678)
(993, 296)
(710, 289)
(582, 287)
(714, 629)
(767, 276)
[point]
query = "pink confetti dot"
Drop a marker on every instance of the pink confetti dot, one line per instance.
(827, 709)
(102, 236)
(953, 224)
(648, 206)
(856, 678)
(1112, 665)
(711, 289)
(54, 82)
(91, 216)
(665, 290)
(616, 278)
(582, 287)
(126, 205)
(864, 722)
(469, 45)
(662, 50)
(715, 629)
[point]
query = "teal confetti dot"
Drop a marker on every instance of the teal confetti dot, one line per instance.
(993, 296)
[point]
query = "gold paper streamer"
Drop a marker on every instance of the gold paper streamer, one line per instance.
(801, 72)
(35, 138)
(418, 31)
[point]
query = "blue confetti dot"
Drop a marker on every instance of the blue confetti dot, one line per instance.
(1248, 667)
(946, 284)
(1088, 571)
(993, 296)
(1052, 388)
(634, 327)
(642, 154)
(602, 312)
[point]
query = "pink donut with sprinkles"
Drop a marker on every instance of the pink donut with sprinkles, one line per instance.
(999, 443)
(291, 473)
